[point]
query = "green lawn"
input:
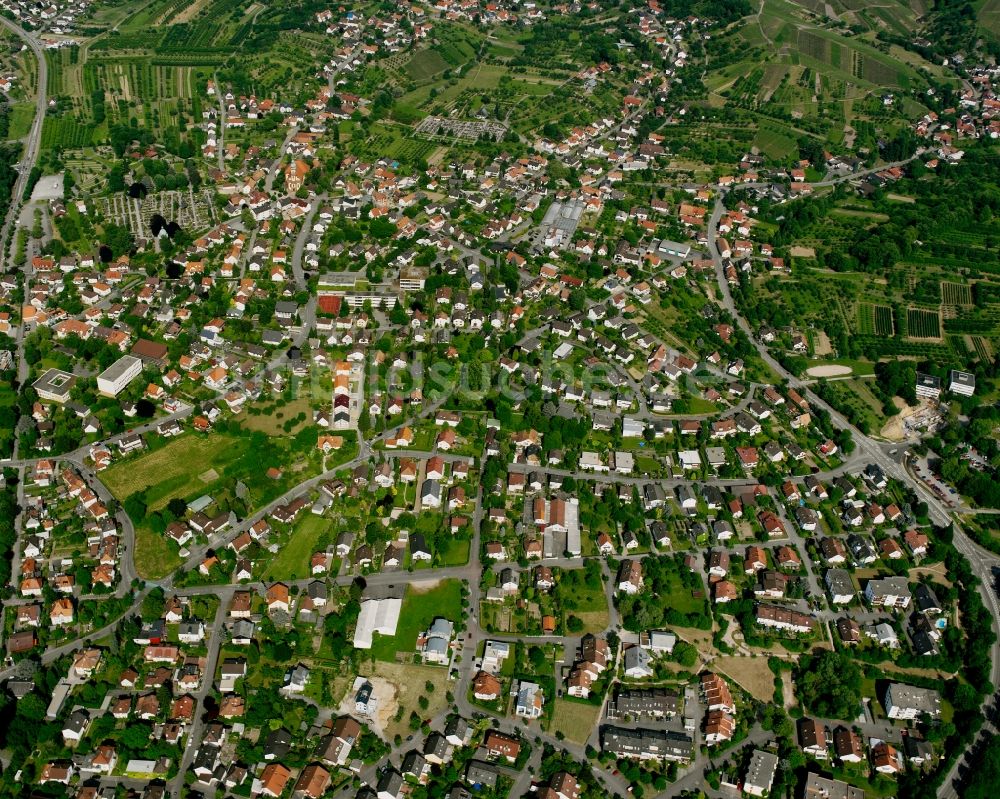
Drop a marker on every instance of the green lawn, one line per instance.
(292, 560)
(680, 598)
(575, 719)
(420, 608)
(454, 553)
(194, 464)
(154, 556)
(576, 594)
(585, 600)
(21, 116)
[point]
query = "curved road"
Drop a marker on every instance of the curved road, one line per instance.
(979, 559)
(32, 144)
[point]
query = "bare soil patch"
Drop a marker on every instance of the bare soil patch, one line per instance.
(829, 370)
(822, 344)
(895, 429)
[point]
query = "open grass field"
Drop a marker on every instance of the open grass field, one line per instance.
(574, 719)
(680, 597)
(588, 603)
(855, 400)
(422, 604)
(194, 464)
(862, 390)
(21, 117)
(172, 470)
(271, 420)
(454, 553)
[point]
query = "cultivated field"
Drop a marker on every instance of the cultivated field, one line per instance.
(956, 293)
(875, 319)
(922, 323)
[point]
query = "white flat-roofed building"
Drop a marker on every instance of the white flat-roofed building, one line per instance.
(632, 428)
(377, 616)
(659, 641)
(963, 383)
(113, 380)
(674, 249)
(689, 459)
(591, 461)
(928, 386)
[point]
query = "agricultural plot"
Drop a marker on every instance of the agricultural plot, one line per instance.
(854, 58)
(159, 96)
(956, 293)
(983, 348)
(875, 71)
(775, 141)
(875, 320)
(66, 132)
(818, 48)
(425, 64)
(922, 323)
(392, 142)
